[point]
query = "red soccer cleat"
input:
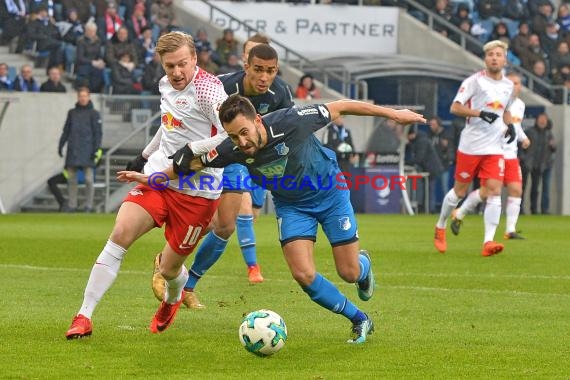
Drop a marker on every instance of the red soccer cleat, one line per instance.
(164, 316)
(80, 327)
(491, 248)
(254, 274)
(439, 240)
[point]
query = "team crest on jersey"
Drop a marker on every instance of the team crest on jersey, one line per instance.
(344, 223)
(274, 169)
(181, 102)
(170, 122)
(282, 149)
(263, 108)
(249, 160)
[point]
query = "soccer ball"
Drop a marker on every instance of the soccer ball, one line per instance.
(263, 332)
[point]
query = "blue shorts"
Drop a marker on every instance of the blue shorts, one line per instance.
(332, 210)
(236, 179)
(258, 197)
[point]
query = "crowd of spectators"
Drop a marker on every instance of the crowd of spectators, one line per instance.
(95, 41)
(105, 45)
(537, 31)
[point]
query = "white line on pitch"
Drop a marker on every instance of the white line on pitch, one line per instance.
(521, 276)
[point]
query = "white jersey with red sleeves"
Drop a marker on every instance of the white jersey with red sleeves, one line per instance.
(480, 92)
(189, 115)
(517, 114)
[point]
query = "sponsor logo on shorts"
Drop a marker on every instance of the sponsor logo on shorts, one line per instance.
(135, 192)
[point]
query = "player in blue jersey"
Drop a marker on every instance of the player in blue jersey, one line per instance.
(261, 85)
(282, 155)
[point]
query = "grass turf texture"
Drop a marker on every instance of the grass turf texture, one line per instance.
(457, 315)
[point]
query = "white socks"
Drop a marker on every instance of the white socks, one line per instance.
(492, 215)
(513, 210)
(174, 287)
(450, 201)
(473, 199)
(102, 276)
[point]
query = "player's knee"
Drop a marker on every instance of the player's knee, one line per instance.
(225, 230)
(123, 235)
(515, 192)
(303, 278)
(349, 273)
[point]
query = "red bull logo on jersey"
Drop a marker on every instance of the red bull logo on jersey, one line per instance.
(495, 105)
(170, 122)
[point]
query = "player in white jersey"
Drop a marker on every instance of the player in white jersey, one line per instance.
(190, 98)
(483, 99)
(513, 174)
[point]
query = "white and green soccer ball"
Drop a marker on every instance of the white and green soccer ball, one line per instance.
(263, 332)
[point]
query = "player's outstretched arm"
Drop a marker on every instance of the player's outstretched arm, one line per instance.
(461, 110)
(133, 176)
(358, 108)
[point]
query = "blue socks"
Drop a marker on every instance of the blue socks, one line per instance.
(364, 267)
(246, 239)
(208, 253)
(324, 293)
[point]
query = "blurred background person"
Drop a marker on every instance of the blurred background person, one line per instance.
(339, 139)
(537, 161)
(5, 81)
(53, 83)
(26, 82)
(421, 154)
(82, 133)
(443, 146)
(306, 89)
(89, 60)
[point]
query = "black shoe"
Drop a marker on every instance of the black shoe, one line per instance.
(455, 223)
(513, 236)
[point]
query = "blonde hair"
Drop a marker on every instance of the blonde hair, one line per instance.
(493, 44)
(170, 42)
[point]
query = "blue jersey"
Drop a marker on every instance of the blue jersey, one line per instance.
(278, 95)
(293, 165)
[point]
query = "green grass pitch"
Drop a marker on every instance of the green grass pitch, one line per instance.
(457, 315)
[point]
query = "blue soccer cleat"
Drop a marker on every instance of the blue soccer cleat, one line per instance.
(361, 330)
(366, 286)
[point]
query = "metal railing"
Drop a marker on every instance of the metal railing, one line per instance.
(350, 88)
(145, 127)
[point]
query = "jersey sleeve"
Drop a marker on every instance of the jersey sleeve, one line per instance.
(466, 91)
(210, 99)
(307, 119)
(153, 144)
(221, 156)
(287, 96)
(521, 136)
(510, 103)
(200, 147)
